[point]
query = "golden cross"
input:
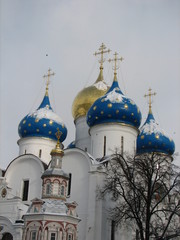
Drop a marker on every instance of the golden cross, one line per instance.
(58, 134)
(48, 79)
(115, 59)
(102, 50)
(150, 94)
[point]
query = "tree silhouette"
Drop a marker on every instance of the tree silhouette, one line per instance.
(145, 191)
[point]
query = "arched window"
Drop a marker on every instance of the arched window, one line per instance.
(53, 236)
(7, 236)
(70, 236)
(62, 190)
(56, 188)
(33, 236)
(48, 188)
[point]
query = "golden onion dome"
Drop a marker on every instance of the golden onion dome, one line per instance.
(86, 97)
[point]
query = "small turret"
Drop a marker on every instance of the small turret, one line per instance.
(55, 180)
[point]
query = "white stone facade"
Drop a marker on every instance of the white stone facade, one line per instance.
(21, 186)
(40, 147)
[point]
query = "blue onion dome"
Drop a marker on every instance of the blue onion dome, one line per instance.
(114, 106)
(43, 122)
(153, 139)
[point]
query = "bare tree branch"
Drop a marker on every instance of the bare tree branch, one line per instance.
(145, 191)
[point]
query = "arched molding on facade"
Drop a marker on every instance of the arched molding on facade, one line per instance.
(70, 231)
(31, 168)
(6, 227)
(33, 226)
(22, 158)
(85, 155)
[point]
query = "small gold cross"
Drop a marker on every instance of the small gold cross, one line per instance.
(102, 50)
(150, 94)
(58, 134)
(48, 79)
(115, 59)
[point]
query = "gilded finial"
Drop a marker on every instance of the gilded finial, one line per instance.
(58, 135)
(150, 94)
(58, 149)
(101, 52)
(115, 60)
(48, 79)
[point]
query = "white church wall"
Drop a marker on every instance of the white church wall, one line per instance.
(8, 227)
(40, 147)
(87, 178)
(115, 134)
(97, 211)
(83, 140)
(12, 209)
(25, 168)
(77, 162)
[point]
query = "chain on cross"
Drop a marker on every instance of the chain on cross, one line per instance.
(48, 79)
(115, 60)
(101, 52)
(150, 94)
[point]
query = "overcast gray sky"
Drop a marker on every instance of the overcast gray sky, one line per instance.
(145, 32)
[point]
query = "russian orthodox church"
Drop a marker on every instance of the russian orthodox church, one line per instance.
(50, 193)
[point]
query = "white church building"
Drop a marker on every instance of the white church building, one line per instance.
(49, 192)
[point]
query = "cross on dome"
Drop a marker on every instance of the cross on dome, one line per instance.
(115, 60)
(101, 52)
(48, 79)
(58, 150)
(150, 94)
(58, 134)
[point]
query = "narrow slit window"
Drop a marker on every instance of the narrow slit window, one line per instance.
(25, 190)
(122, 145)
(104, 150)
(69, 184)
(40, 153)
(134, 147)
(112, 230)
(25, 151)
